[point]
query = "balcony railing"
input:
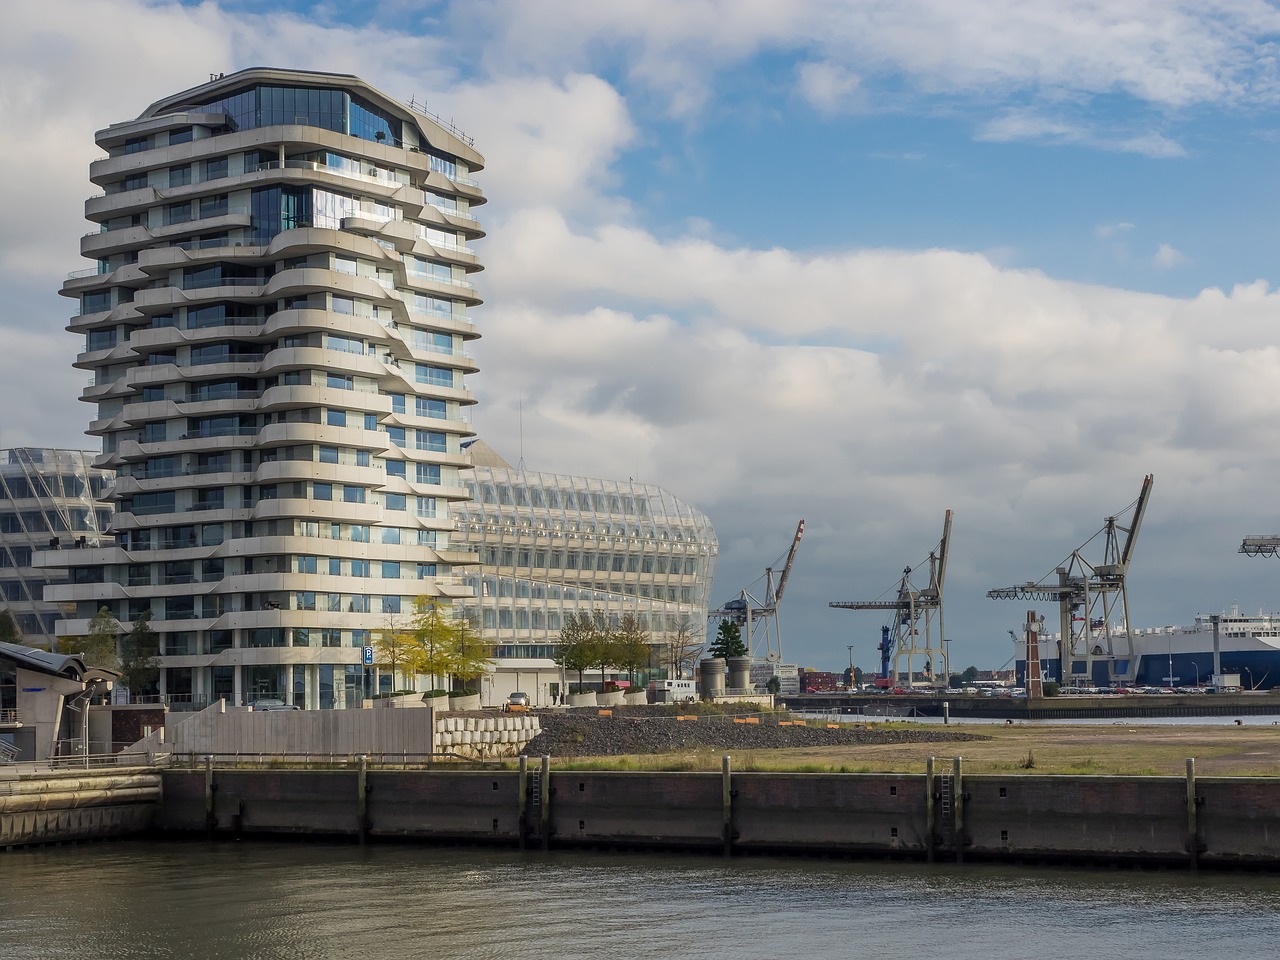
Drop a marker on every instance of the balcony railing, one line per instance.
(10, 718)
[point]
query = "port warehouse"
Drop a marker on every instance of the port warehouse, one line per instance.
(942, 814)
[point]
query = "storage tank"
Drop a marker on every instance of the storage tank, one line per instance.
(711, 677)
(739, 674)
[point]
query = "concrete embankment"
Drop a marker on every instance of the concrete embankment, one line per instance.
(943, 814)
(53, 806)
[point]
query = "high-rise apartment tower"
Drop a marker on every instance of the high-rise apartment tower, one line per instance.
(275, 327)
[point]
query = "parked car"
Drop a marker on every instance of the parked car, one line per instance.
(262, 706)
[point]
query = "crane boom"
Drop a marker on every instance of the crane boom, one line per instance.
(786, 569)
(1136, 523)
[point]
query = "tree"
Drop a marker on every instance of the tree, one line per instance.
(631, 651)
(728, 641)
(604, 644)
(970, 674)
(576, 650)
(436, 637)
(684, 644)
(100, 648)
(9, 632)
(139, 663)
(774, 685)
(472, 657)
(395, 649)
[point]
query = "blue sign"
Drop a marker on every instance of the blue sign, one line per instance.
(368, 656)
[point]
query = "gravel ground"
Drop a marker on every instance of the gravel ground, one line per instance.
(582, 734)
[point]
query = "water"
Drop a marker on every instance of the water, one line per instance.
(1264, 720)
(279, 901)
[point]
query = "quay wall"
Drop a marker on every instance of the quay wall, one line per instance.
(944, 814)
(53, 806)
(961, 706)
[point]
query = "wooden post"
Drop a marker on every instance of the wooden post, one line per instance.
(209, 821)
(1193, 816)
(957, 806)
(522, 821)
(545, 812)
(362, 797)
(930, 811)
(726, 798)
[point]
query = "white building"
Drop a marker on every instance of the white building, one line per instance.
(551, 545)
(275, 325)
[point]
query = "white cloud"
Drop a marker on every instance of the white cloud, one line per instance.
(1108, 230)
(829, 87)
(1166, 257)
(1022, 124)
(1172, 53)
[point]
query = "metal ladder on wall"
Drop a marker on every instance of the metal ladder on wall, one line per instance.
(945, 819)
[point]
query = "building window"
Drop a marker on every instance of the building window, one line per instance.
(322, 491)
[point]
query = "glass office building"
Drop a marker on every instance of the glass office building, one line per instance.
(275, 322)
(47, 497)
(550, 545)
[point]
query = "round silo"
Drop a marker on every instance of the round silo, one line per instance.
(739, 674)
(711, 677)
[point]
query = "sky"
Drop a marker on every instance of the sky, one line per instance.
(852, 261)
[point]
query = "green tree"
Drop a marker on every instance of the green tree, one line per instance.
(774, 685)
(395, 650)
(9, 632)
(576, 649)
(139, 663)
(472, 657)
(632, 649)
(436, 635)
(728, 641)
(969, 675)
(100, 648)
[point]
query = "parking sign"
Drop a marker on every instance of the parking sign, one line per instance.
(368, 656)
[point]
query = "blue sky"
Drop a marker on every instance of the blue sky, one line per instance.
(858, 261)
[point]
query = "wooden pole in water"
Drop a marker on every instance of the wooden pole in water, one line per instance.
(522, 820)
(545, 811)
(930, 811)
(726, 798)
(1193, 818)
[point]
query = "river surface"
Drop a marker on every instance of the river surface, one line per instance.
(246, 900)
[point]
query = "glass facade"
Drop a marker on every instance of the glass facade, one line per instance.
(551, 545)
(46, 496)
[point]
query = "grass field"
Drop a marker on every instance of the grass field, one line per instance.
(1219, 750)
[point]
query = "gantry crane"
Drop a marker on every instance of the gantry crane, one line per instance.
(1266, 546)
(1088, 596)
(915, 629)
(759, 621)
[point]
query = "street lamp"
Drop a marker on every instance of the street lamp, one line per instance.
(1250, 675)
(1195, 666)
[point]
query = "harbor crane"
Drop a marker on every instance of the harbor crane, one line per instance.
(915, 627)
(1089, 596)
(1266, 546)
(759, 621)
